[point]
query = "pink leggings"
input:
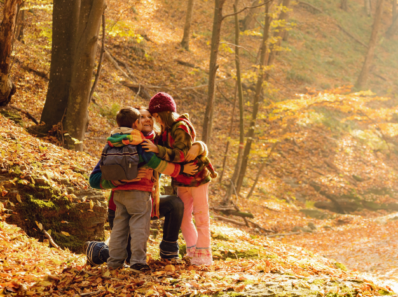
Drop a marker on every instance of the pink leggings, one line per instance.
(197, 238)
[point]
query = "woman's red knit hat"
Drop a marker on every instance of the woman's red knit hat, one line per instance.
(162, 102)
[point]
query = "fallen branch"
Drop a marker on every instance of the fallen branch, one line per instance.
(283, 234)
(52, 242)
(306, 5)
(234, 212)
(27, 114)
(258, 226)
(352, 36)
(187, 64)
(229, 220)
(139, 89)
(329, 196)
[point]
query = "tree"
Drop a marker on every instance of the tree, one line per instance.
(279, 32)
(75, 33)
(187, 27)
(20, 23)
(392, 30)
(250, 18)
(7, 27)
(240, 94)
(363, 76)
(215, 42)
(344, 5)
(76, 118)
(368, 7)
(259, 87)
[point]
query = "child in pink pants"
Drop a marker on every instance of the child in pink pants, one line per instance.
(176, 139)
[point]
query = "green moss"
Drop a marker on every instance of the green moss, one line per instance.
(12, 116)
(340, 266)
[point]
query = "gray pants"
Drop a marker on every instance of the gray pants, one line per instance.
(133, 214)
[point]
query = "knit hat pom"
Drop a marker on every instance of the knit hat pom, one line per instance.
(162, 102)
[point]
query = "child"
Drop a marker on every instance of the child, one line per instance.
(132, 198)
(177, 136)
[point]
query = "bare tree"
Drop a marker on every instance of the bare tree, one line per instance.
(392, 30)
(187, 27)
(363, 76)
(279, 33)
(344, 5)
(7, 27)
(20, 23)
(368, 7)
(240, 94)
(250, 18)
(259, 87)
(215, 42)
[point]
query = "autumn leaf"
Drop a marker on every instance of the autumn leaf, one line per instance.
(65, 233)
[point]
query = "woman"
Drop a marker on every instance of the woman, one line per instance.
(170, 207)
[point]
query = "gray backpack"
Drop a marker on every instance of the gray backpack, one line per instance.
(119, 163)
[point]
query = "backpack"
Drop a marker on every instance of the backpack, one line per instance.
(119, 163)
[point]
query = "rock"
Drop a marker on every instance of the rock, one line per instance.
(347, 205)
(297, 229)
(312, 226)
(315, 214)
(46, 205)
(306, 229)
(327, 227)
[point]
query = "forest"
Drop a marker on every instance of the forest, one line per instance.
(294, 105)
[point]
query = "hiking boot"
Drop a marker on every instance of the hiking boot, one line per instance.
(140, 267)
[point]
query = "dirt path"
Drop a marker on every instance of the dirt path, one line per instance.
(369, 246)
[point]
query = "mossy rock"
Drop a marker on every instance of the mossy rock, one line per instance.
(34, 203)
(315, 214)
(15, 117)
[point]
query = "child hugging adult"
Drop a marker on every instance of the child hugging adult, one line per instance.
(176, 139)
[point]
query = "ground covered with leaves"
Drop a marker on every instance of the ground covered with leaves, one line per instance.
(250, 265)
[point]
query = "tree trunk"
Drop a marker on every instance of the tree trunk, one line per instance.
(278, 35)
(344, 5)
(250, 18)
(394, 24)
(20, 24)
(257, 97)
(65, 18)
(368, 7)
(82, 71)
(215, 42)
(240, 94)
(7, 27)
(187, 27)
(363, 76)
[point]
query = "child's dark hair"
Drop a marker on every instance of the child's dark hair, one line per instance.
(127, 116)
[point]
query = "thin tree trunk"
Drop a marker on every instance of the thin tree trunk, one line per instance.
(250, 18)
(83, 65)
(368, 7)
(20, 24)
(278, 35)
(65, 24)
(187, 27)
(363, 76)
(257, 97)
(392, 30)
(240, 94)
(100, 60)
(7, 27)
(344, 5)
(261, 170)
(215, 42)
(228, 140)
